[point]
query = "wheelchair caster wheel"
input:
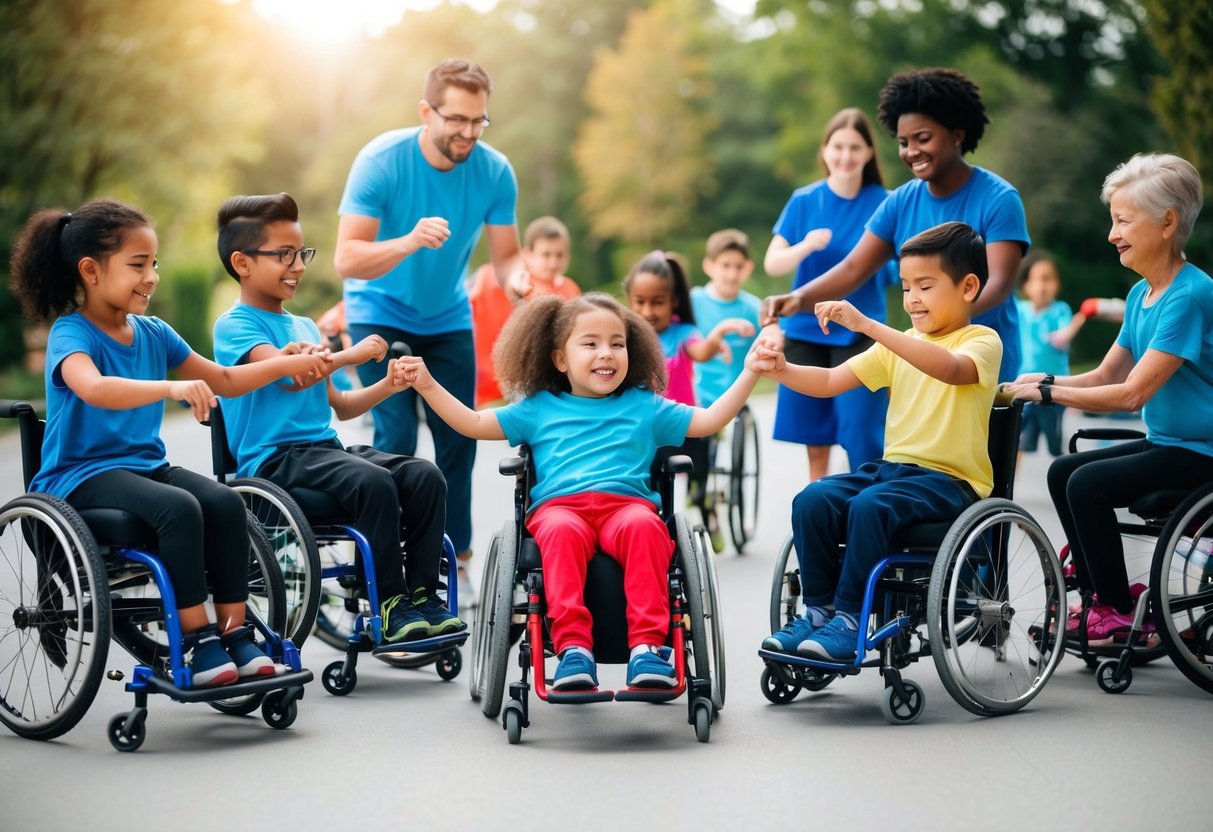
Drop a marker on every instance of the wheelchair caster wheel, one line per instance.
(512, 720)
(703, 720)
(1105, 677)
(123, 739)
(273, 712)
(336, 682)
(902, 711)
(449, 665)
(239, 706)
(775, 689)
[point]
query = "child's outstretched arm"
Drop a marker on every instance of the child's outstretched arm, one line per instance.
(932, 359)
(229, 382)
(715, 343)
(474, 424)
(711, 420)
(822, 382)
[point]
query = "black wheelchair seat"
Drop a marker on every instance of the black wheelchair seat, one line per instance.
(922, 536)
(1157, 505)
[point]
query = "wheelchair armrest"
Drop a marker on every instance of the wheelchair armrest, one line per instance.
(1113, 434)
(512, 466)
(680, 464)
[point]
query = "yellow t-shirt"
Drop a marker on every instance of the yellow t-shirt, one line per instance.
(931, 423)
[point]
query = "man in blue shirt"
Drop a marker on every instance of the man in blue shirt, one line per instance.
(412, 212)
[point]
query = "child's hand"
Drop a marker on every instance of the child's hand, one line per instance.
(412, 370)
(371, 348)
(840, 312)
(398, 375)
(308, 368)
(766, 356)
(197, 394)
(819, 238)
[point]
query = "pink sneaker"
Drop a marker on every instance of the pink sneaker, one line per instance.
(1135, 591)
(1104, 623)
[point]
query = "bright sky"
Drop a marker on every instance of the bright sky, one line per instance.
(342, 21)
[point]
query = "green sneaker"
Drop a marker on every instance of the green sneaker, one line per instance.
(402, 621)
(440, 619)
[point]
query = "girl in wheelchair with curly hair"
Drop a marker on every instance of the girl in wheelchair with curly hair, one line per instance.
(585, 378)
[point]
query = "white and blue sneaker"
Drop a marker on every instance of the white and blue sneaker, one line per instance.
(648, 669)
(576, 671)
(789, 638)
(835, 642)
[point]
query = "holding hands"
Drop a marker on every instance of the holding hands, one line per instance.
(410, 371)
(766, 356)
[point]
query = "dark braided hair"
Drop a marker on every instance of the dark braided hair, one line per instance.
(46, 255)
(939, 93)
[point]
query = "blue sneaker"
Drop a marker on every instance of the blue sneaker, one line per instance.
(576, 671)
(250, 660)
(650, 670)
(402, 621)
(209, 662)
(835, 642)
(789, 638)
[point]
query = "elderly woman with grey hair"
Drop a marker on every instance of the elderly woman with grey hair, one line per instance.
(1161, 363)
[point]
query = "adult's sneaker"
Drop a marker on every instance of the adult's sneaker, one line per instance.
(576, 671)
(436, 614)
(209, 663)
(250, 660)
(790, 637)
(402, 621)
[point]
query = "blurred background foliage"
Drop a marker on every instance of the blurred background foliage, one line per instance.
(640, 124)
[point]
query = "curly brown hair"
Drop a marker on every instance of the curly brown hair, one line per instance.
(522, 356)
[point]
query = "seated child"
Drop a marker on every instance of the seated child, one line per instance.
(942, 376)
(107, 364)
(283, 433)
(545, 254)
(658, 291)
(587, 373)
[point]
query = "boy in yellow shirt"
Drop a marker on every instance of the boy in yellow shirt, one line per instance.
(942, 376)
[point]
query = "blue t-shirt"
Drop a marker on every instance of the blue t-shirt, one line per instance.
(82, 441)
(1179, 323)
(1039, 355)
(582, 444)
(713, 377)
(816, 206)
(992, 207)
(260, 421)
(391, 181)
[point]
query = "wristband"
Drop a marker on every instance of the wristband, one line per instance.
(1048, 379)
(1046, 393)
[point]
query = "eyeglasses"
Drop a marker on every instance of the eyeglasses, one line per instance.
(462, 122)
(286, 256)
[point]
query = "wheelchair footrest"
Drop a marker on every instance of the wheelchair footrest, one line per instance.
(579, 697)
(777, 657)
(157, 684)
(436, 644)
(648, 694)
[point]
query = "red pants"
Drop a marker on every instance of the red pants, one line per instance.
(569, 530)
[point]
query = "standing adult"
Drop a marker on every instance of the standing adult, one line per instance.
(819, 225)
(937, 116)
(413, 209)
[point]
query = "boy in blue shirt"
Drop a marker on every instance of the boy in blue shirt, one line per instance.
(283, 434)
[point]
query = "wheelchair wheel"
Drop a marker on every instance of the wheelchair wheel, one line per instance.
(491, 639)
(996, 608)
(743, 480)
(714, 627)
(54, 617)
(902, 710)
(294, 547)
(785, 587)
(1181, 588)
(339, 603)
(696, 602)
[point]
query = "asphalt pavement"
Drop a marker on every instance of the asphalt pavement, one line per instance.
(408, 751)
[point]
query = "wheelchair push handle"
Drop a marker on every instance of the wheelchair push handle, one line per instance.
(13, 408)
(1105, 434)
(399, 349)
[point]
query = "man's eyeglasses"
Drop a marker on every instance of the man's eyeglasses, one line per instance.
(286, 256)
(462, 122)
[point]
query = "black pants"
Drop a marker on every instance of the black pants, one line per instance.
(199, 523)
(1088, 487)
(396, 501)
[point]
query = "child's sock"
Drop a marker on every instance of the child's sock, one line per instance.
(818, 616)
(643, 648)
(584, 651)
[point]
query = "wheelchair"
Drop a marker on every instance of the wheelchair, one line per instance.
(72, 580)
(1168, 542)
(733, 477)
(330, 589)
(988, 587)
(512, 607)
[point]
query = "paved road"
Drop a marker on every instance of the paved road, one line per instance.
(406, 750)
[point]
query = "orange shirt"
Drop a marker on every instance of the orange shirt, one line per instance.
(490, 309)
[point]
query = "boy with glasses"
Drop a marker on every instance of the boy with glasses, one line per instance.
(284, 433)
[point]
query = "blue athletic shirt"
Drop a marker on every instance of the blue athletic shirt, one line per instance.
(713, 377)
(987, 203)
(82, 441)
(816, 206)
(581, 444)
(391, 181)
(258, 422)
(1039, 354)
(1179, 323)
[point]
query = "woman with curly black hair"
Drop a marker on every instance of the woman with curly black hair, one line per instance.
(937, 117)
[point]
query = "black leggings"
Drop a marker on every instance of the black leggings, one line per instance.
(1088, 487)
(199, 523)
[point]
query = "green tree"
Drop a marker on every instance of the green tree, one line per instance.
(1182, 31)
(643, 153)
